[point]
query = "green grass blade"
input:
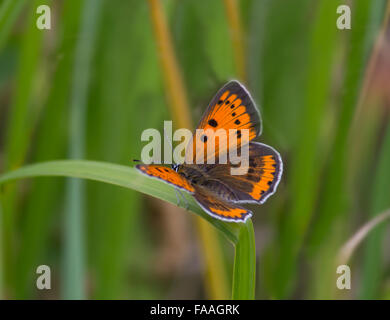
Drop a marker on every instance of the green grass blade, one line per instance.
(279, 66)
(121, 176)
(9, 11)
(244, 270)
(241, 235)
(373, 264)
(304, 173)
(349, 248)
(334, 202)
(74, 259)
(116, 229)
(277, 75)
(2, 291)
(112, 214)
(19, 130)
(50, 143)
(19, 124)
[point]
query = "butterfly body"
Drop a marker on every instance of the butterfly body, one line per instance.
(212, 185)
(200, 179)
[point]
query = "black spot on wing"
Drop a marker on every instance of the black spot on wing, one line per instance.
(213, 123)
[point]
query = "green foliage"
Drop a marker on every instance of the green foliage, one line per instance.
(121, 176)
(241, 235)
(87, 88)
(373, 264)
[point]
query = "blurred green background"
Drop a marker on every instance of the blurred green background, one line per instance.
(91, 84)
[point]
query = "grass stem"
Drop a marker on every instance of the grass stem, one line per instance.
(74, 255)
(237, 39)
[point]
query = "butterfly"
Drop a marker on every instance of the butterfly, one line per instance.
(215, 189)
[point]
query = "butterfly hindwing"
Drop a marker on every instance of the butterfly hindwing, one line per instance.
(260, 181)
(232, 108)
(219, 208)
(166, 174)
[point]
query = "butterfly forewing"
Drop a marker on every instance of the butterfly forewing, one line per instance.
(232, 108)
(167, 175)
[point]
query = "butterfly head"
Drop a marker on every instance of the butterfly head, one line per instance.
(175, 167)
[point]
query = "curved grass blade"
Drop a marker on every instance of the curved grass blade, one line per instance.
(348, 249)
(244, 270)
(121, 176)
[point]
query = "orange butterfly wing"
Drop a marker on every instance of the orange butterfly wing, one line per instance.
(167, 175)
(231, 108)
(219, 208)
